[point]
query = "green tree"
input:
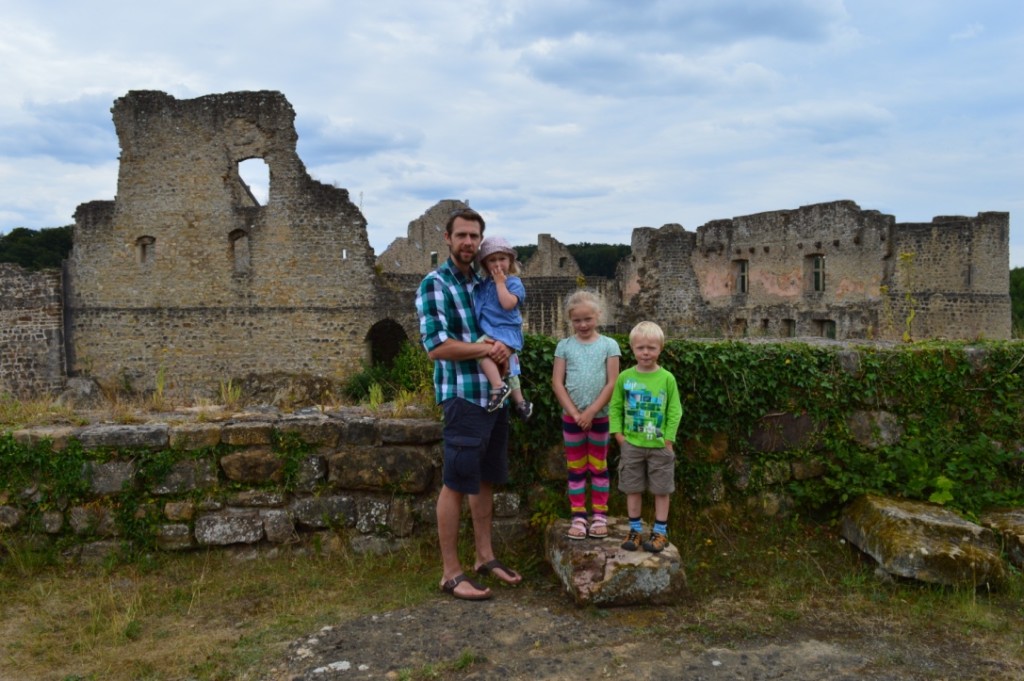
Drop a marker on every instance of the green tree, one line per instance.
(36, 250)
(1017, 301)
(595, 260)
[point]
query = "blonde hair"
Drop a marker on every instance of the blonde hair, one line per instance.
(513, 264)
(584, 297)
(647, 331)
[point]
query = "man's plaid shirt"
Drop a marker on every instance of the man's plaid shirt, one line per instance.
(444, 303)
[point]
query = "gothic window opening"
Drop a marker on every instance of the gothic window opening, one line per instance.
(254, 174)
(740, 270)
(815, 268)
(789, 328)
(240, 253)
(145, 249)
(825, 328)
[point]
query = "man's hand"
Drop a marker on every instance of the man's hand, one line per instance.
(499, 352)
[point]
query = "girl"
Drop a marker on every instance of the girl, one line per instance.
(497, 301)
(585, 369)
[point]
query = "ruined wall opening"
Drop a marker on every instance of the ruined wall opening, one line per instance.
(255, 174)
(145, 249)
(385, 339)
(240, 257)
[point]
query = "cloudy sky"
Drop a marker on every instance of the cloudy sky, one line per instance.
(577, 118)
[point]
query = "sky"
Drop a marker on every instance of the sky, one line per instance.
(581, 119)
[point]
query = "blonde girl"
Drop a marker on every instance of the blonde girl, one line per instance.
(586, 366)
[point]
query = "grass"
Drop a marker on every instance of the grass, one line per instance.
(216, 614)
(203, 615)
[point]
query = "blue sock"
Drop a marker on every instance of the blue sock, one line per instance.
(661, 527)
(636, 524)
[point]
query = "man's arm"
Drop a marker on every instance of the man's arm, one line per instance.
(456, 350)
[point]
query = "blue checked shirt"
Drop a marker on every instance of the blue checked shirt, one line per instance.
(444, 303)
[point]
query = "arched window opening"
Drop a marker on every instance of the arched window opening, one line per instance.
(240, 254)
(145, 249)
(386, 339)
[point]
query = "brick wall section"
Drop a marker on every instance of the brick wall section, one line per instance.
(31, 331)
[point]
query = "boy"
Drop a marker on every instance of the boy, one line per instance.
(644, 415)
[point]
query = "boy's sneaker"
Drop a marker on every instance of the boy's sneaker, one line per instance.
(498, 397)
(524, 410)
(633, 541)
(656, 543)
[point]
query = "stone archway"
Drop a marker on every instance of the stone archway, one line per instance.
(385, 340)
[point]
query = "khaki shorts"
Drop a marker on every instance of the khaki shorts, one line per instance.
(650, 469)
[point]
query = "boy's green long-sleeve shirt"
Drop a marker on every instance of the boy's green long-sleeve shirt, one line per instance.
(645, 407)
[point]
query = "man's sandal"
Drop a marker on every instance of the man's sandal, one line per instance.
(599, 528)
(500, 571)
(578, 529)
(449, 588)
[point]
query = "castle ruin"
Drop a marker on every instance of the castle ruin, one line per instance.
(185, 281)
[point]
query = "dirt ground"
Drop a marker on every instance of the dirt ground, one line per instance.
(535, 632)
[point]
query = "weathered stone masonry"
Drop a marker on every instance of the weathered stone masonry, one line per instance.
(31, 331)
(185, 279)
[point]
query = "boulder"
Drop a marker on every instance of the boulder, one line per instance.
(923, 541)
(599, 572)
(1010, 524)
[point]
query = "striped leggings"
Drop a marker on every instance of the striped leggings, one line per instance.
(586, 454)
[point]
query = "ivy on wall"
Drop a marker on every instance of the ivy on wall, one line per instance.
(958, 406)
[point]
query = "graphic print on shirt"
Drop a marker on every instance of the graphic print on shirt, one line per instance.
(645, 411)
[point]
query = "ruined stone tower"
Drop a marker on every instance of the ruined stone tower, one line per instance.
(185, 276)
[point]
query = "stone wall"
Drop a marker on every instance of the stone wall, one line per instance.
(187, 276)
(236, 482)
(185, 281)
(31, 331)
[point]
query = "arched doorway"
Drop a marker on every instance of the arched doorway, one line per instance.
(385, 339)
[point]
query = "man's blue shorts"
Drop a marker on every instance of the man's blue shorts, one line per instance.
(475, 446)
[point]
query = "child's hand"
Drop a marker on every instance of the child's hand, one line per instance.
(498, 276)
(584, 421)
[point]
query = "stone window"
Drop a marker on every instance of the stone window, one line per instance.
(740, 272)
(240, 254)
(739, 327)
(433, 258)
(344, 254)
(255, 176)
(789, 328)
(561, 262)
(969, 276)
(145, 248)
(826, 328)
(814, 266)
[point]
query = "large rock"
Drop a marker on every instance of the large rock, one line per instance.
(1010, 524)
(923, 541)
(599, 572)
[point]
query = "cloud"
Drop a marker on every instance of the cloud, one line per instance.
(78, 131)
(323, 141)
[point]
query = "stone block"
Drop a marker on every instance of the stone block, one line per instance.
(324, 512)
(506, 504)
(229, 527)
(711, 449)
(257, 465)
(257, 498)
(601, 573)
(180, 510)
(807, 469)
(314, 429)
(247, 433)
(360, 430)
(923, 541)
(393, 468)
(53, 522)
(57, 436)
(10, 517)
(312, 471)
(783, 432)
(1009, 523)
(149, 436)
(187, 476)
(193, 436)
(409, 431)
(372, 515)
(401, 517)
(174, 537)
(109, 477)
(95, 520)
(874, 429)
(278, 526)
